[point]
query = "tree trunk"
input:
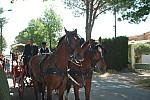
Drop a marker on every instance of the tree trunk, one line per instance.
(88, 33)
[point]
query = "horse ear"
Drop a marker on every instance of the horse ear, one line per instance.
(65, 30)
(100, 40)
(75, 32)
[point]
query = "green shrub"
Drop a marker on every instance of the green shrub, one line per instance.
(117, 55)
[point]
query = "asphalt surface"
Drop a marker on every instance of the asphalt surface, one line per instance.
(104, 87)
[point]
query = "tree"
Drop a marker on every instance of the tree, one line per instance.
(3, 21)
(45, 28)
(132, 10)
(4, 44)
(53, 25)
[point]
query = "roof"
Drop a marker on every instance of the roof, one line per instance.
(19, 44)
(137, 42)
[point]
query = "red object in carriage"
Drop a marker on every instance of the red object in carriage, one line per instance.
(20, 74)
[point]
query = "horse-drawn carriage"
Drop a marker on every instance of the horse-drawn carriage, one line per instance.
(52, 72)
(20, 71)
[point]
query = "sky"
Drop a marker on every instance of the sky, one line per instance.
(23, 11)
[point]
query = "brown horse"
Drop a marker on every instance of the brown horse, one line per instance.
(51, 70)
(82, 75)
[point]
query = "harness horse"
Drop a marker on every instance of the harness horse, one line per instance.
(52, 71)
(82, 75)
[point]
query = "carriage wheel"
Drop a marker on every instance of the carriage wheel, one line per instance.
(21, 86)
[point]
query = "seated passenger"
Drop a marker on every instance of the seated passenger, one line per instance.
(30, 50)
(44, 49)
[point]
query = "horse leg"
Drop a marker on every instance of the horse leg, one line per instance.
(35, 87)
(62, 89)
(68, 87)
(57, 91)
(88, 88)
(43, 90)
(49, 92)
(76, 92)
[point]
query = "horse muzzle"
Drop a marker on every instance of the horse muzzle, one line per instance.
(102, 70)
(78, 57)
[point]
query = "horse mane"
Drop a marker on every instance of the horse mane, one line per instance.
(60, 40)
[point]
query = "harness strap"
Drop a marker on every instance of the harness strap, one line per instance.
(74, 80)
(79, 73)
(71, 74)
(40, 77)
(54, 71)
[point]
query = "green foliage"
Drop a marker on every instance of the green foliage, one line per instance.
(117, 55)
(53, 25)
(133, 10)
(141, 49)
(47, 28)
(3, 21)
(4, 44)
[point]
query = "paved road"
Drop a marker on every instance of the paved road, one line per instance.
(110, 87)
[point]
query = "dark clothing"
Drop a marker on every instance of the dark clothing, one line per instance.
(44, 50)
(29, 51)
(3, 63)
(14, 56)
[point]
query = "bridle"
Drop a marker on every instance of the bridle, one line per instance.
(98, 60)
(68, 42)
(93, 55)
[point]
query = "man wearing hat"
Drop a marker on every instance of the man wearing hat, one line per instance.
(44, 49)
(29, 51)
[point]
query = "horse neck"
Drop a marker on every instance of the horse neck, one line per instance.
(87, 61)
(93, 61)
(63, 50)
(86, 47)
(61, 55)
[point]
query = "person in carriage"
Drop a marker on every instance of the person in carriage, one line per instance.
(15, 55)
(44, 49)
(30, 50)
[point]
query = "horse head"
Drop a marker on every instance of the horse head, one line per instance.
(74, 44)
(97, 56)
